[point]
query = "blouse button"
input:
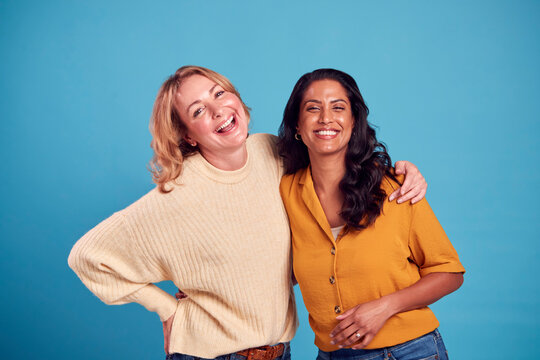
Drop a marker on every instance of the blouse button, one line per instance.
(332, 280)
(337, 309)
(333, 251)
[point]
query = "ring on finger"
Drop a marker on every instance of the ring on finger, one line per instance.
(358, 336)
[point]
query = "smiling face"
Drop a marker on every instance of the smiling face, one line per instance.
(325, 120)
(214, 118)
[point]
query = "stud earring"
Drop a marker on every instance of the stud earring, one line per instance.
(192, 143)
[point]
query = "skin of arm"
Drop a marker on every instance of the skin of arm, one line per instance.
(167, 326)
(368, 318)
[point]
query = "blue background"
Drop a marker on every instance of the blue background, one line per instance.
(453, 86)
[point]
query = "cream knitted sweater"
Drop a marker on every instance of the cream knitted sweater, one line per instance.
(220, 236)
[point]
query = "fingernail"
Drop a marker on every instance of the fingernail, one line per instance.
(331, 335)
(340, 346)
(391, 198)
(332, 342)
(399, 201)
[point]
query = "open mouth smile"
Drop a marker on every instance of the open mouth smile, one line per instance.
(326, 134)
(226, 126)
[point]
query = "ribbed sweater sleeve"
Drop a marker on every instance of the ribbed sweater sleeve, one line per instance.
(112, 265)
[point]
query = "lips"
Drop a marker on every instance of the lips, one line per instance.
(326, 132)
(226, 125)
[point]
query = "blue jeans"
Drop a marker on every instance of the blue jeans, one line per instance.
(425, 347)
(285, 356)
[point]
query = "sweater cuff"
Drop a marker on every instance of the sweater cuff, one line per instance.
(156, 300)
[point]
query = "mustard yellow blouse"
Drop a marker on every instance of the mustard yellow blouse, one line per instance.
(405, 243)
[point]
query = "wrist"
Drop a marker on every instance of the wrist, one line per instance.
(390, 304)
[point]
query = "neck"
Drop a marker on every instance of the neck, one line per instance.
(327, 172)
(228, 160)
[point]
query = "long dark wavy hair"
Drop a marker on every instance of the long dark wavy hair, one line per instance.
(366, 159)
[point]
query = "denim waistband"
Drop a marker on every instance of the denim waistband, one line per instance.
(431, 340)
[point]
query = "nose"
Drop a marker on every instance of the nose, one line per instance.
(217, 110)
(325, 117)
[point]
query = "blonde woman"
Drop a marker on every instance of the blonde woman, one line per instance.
(214, 225)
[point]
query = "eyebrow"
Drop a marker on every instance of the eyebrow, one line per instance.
(198, 101)
(319, 102)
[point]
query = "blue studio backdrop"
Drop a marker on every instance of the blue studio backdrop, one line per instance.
(452, 86)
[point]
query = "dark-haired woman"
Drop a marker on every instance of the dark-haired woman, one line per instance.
(367, 267)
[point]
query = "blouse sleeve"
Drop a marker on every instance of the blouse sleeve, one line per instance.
(110, 263)
(430, 248)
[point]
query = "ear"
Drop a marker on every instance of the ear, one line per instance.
(189, 140)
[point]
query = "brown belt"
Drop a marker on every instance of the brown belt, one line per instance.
(263, 352)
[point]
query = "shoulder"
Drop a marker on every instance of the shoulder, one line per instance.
(262, 141)
(291, 182)
(113, 226)
(263, 148)
(390, 185)
(152, 205)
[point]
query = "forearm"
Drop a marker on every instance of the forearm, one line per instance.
(425, 291)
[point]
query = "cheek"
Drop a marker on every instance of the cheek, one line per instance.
(198, 129)
(232, 100)
(302, 125)
(347, 122)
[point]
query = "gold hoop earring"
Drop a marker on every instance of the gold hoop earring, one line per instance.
(297, 136)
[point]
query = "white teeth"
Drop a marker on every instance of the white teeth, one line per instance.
(225, 124)
(326, 132)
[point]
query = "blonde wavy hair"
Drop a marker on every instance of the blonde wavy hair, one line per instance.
(168, 130)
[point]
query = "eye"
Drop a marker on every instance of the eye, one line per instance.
(312, 108)
(197, 112)
(339, 108)
(219, 93)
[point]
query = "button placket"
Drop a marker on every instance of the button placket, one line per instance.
(333, 278)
